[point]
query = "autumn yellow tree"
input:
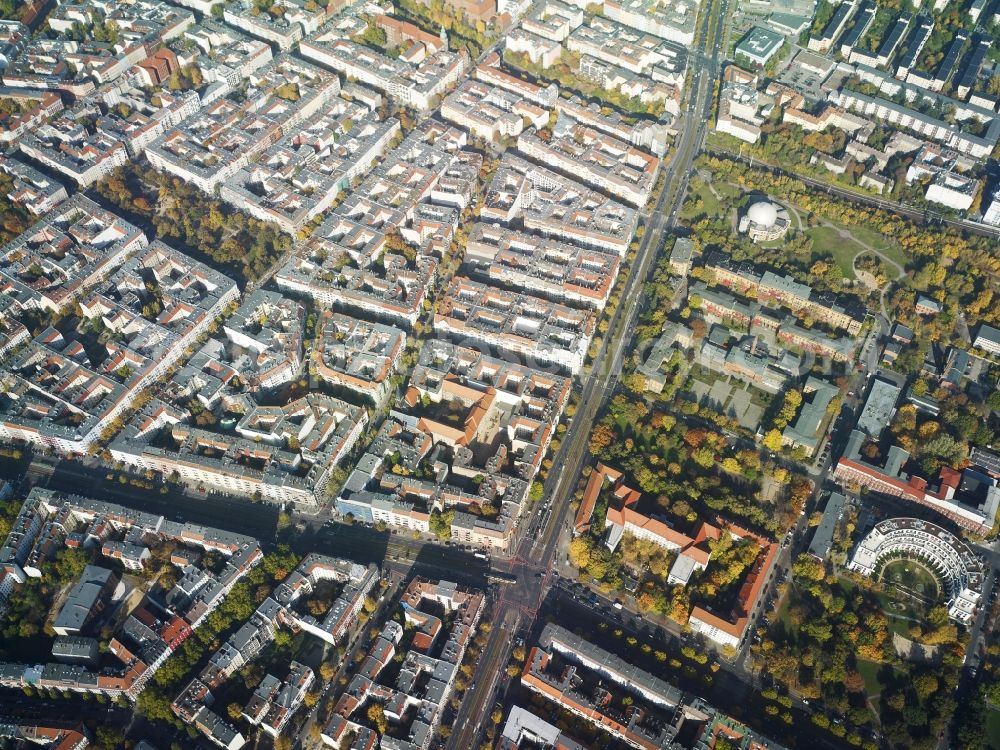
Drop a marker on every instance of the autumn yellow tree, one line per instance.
(376, 715)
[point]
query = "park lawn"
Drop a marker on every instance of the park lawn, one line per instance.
(710, 205)
(759, 397)
(728, 189)
(826, 241)
(897, 618)
(913, 575)
(869, 671)
(899, 625)
(993, 728)
(878, 241)
(783, 618)
(706, 376)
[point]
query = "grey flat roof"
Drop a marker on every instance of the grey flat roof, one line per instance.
(73, 646)
(82, 598)
(760, 42)
(822, 540)
(985, 460)
(988, 333)
(628, 673)
(879, 407)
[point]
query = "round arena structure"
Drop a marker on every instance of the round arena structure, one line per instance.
(764, 221)
(958, 568)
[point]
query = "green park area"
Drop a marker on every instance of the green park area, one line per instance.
(910, 577)
(713, 198)
(700, 200)
(993, 728)
(816, 243)
(876, 241)
(828, 241)
(833, 641)
(870, 670)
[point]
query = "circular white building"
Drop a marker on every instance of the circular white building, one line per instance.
(764, 221)
(958, 568)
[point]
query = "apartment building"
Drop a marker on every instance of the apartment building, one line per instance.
(645, 134)
(551, 269)
(674, 22)
(66, 146)
(144, 641)
(544, 334)
(948, 134)
(958, 566)
(224, 56)
(147, 118)
(212, 146)
(491, 113)
(915, 42)
(283, 454)
(841, 15)
(77, 66)
(419, 85)
(357, 355)
(987, 339)
(267, 332)
(835, 347)
(784, 291)
(471, 431)
(443, 616)
(62, 395)
(333, 626)
(739, 105)
(806, 431)
(488, 71)
(595, 159)
(300, 176)
(557, 206)
(12, 332)
(953, 190)
(44, 105)
(31, 188)
(65, 254)
(617, 44)
(963, 498)
(275, 701)
(282, 23)
(557, 667)
(392, 291)
(539, 50)
(357, 260)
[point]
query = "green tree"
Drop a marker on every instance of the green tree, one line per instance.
(536, 492)
(108, 738)
(440, 524)
(154, 705)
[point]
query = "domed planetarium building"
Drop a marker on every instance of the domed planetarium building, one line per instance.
(764, 221)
